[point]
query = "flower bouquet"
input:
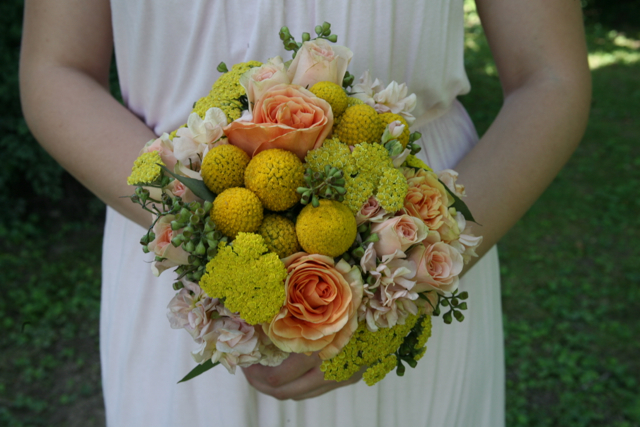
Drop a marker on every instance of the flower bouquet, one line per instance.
(298, 218)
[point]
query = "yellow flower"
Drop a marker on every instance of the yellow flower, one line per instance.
(223, 167)
(333, 94)
(332, 153)
(380, 369)
(392, 189)
(366, 348)
(274, 175)
(359, 123)
(237, 210)
(279, 235)
(145, 169)
(248, 278)
(328, 229)
(359, 189)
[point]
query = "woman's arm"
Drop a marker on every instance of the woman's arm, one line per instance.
(64, 83)
(540, 52)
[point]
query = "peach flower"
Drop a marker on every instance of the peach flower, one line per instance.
(429, 200)
(258, 80)
(438, 265)
(320, 311)
(371, 211)
(398, 234)
(177, 188)
(319, 61)
(162, 247)
(288, 117)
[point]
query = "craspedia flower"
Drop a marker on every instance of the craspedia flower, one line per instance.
(328, 229)
(274, 176)
(414, 162)
(389, 117)
(359, 123)
(392, 189)
(333, 94)
(223, 167)
(366, 348)
(332, 153)
(248, 277)
(237, 210)
(359, 189)
(146, 169)
(279, 235)
(354, 101)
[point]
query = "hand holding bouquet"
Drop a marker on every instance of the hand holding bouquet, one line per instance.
(298, 218)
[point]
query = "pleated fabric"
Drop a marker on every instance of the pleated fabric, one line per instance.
(167, 52)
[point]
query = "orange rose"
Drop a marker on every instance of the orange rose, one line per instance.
(320, 312)
(286, 116)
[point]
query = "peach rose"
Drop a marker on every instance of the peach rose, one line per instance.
(438, 265)
(320, 312)
(258, 80)
(177, 188)
(429, 200)
(319, 61)
(288, 117)
(162, 246)
(398, 234)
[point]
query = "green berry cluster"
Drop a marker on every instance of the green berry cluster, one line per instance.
(327, 184)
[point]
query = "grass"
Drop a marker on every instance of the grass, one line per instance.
(569, 277)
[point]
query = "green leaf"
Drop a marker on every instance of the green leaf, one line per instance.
(459, 205)
(200, 369)
(195, 185)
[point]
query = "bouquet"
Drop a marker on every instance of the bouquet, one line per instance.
(298, 219)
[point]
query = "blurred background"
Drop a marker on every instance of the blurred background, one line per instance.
(570, 275)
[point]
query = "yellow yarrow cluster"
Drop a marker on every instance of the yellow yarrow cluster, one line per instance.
(248, 278)
(371, 160)
(225, 92)
(279, 235)
(237, 210)
(146, 169)
(333, 94)
(392, 189)
(223, 167)
(359, 189)
(359, 123)
(274, 175)
(332, 153)
(379, 370)
(328, 229)
(366, 348)
(414, 162)
(389, 117)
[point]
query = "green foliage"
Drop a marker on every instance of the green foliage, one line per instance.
(49, 328)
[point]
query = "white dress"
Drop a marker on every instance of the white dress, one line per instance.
(167, 53)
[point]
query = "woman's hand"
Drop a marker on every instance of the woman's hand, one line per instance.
(298, 378)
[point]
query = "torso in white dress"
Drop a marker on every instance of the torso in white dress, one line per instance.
(167, 53)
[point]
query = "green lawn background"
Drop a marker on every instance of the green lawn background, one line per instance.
(570, 276)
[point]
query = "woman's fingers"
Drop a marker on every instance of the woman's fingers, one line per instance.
(299, 377)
